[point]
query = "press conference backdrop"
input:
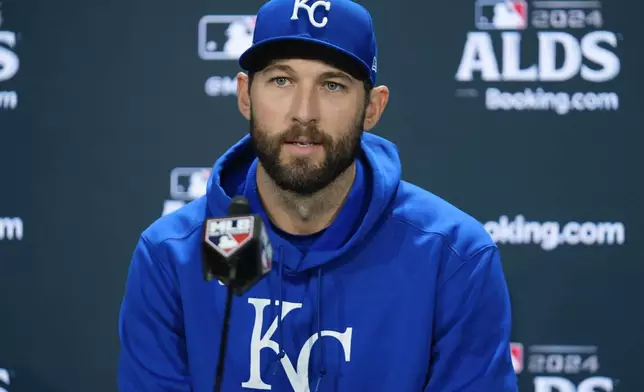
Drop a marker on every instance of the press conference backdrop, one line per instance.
(527, 115)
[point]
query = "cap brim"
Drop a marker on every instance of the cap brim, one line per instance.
(260, 54)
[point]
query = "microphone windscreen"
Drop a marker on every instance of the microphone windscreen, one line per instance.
(239, 206)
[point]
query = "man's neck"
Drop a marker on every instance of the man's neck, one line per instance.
(296, 214)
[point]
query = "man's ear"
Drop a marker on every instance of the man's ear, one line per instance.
(377, 103)
(243, 95)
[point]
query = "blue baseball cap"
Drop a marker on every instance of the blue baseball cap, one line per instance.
(328, 29)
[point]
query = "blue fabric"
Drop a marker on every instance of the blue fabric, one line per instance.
(302, 242)
(342, 25)
(402, 292)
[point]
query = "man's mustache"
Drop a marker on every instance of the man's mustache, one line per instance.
(310, 132)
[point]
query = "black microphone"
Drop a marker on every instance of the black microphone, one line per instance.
(236, 249)
(238, 253)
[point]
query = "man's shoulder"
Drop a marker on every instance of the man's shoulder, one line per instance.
(177, 225)
(433, 215)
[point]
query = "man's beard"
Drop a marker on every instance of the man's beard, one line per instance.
(301, 175)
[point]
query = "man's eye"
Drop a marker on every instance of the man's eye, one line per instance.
(280, 80)
(333, 86)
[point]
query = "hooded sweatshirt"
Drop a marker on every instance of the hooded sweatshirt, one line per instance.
(403, 292)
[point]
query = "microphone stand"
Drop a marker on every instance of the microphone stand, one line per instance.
(223, 342)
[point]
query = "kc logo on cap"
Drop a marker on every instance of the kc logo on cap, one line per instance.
(342, 26)
(310, 9)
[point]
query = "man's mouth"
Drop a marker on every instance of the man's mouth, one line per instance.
(303, 142)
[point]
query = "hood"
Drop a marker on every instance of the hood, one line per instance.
(377, 178)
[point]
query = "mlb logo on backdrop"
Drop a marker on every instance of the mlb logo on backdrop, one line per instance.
(186, 184)
(225, 37)
(189, 183)
(501, 14)
(516, 350)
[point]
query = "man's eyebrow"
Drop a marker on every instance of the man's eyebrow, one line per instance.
(278, 67)
(323, 75)
(336, 74)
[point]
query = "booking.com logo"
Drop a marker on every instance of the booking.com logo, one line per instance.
(550, 235)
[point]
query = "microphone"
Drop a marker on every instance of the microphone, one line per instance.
(238, 253)
(236, 248)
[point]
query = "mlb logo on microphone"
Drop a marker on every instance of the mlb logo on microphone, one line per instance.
(501, 14)
(516, 351)
(227, 235)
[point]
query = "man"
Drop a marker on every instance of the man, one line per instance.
(381, 286)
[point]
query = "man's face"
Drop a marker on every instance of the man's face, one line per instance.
(306, 122)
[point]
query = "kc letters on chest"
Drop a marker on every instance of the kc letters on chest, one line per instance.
(296, 369)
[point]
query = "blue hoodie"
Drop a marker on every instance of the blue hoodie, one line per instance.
(403, 292)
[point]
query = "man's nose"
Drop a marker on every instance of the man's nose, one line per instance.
(306, 105)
